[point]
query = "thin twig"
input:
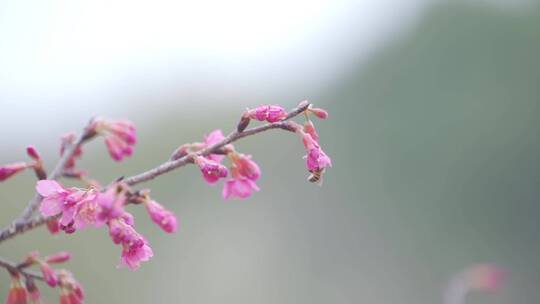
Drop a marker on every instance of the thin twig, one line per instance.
(12, 267)
(165, 167)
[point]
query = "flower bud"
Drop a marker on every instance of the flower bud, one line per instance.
(161, 216)
(7, 171)
(244, 122)
(53, 226)
(211, 170)
(17, 293)
(59, 257)
(49, 275)
(33, 153)
(321, 113)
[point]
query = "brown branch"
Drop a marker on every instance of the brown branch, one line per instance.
(165, 167)
(12, 267)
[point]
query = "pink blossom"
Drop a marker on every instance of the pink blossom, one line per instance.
(270, 113)
(71, 291)
(161, 216)
(48, 274)
(244, 173)
(59, 257)
(316, 159)
(111, 203)
(239, 187)
(244, 166)
(68, 201)
(211, 170)
(17, 293)
(53, 226)
(6, 171)
(320, 113)
(120, 136)
(135, 248)
(213, 138)
(33, 153)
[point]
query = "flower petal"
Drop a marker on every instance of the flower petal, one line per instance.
(50, 206)
(48, 187)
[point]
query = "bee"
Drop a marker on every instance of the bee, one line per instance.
(316, 176)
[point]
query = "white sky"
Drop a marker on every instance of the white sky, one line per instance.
(73, 59)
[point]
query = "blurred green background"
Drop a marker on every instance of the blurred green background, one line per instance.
(434, 140)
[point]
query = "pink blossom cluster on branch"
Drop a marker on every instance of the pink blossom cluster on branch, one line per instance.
(93, 206)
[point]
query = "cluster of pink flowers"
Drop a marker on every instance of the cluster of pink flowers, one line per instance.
(82, 208)
(71, 292)
(70, 209)
(243, 171)
(120, 136)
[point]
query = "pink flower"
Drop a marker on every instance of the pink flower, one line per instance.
(244, 166)
(57, 199)
(53, 226)
(239, 188)
(59, 257)
(71, 291)
(161, 216)
(213, 138)
(17, 293)
(33, 153)
(320, 113)
(120, 136)
(135, 248)
(211, 170)
(316, 159)
(270, 113)
(48, 274)
(111, 203)
(6, 171)
(244, 173)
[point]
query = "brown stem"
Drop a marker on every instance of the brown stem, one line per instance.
(12, 267)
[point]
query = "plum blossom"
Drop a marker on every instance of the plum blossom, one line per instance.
(269, 113)
(135, 248)
(212, 171)
(17, 293)
(316, 159)
(67, 201)
(59, 257)
(161, 216)
(244, 173)
(49, 274)
(7, 171)
(71, 291)
(120, 136)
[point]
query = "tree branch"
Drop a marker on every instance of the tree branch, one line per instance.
(12, 267)
(29, 224)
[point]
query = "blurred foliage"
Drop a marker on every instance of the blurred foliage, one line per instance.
(435, 147)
